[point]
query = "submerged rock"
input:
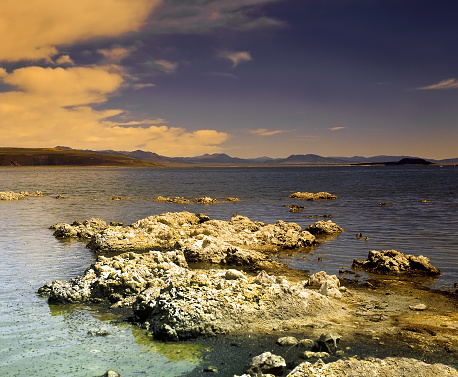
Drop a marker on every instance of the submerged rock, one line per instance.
(389, 367)
(392, 262)
(10, 195)
(311, 196)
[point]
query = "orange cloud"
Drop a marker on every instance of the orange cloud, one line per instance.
(164, 65)
(115, 54)
(34, 29)
(65, 86)
(54, 106)
(236, 57)
(266, 132)
(443, 85)
(65, 59)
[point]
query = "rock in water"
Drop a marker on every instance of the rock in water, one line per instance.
(174, 302)
(10, 195)
(311, 196)
(322, 227)
(392, 262)
(267, 363)
(236, 242)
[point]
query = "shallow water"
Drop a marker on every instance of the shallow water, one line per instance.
(42, 340)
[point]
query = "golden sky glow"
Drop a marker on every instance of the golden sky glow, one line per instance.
(34, 29)
(245, 77)
(55, 105)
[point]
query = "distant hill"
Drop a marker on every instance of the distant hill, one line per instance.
(410, 161)
(66, 157)
(371, 160)
(222, 159)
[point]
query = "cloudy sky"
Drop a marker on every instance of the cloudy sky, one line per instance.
(248, 78)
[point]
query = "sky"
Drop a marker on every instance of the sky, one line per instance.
(248, 78)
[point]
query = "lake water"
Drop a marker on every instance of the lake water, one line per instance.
(42, 340)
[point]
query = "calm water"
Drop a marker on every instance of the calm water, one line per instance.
(40, 340)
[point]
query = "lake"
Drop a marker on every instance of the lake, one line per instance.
(420, 217)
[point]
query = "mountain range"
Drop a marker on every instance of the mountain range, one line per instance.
(295, 159)
(65, 156)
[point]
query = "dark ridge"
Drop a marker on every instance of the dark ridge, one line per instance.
(65, 157)
(410, 161)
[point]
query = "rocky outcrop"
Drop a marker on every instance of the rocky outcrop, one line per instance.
(174, 302)
(176, 199)
(328, 285)
(238, 242)
(201, 200)
(200, 238)
(10, 195)
(219, 301)
(206, 200)
(392, 262)
(328, 342)
(324, 228)
(267, 364)
(311, 196)
(83, 230)
(119, 279)
(389, 367)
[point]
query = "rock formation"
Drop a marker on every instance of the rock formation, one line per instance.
(389, 367)
(10, 195)
(176, 199)
(83, 230)
(239, 241)
(322, 227)
(267, 364)
(393, 262)
(311, 196)
(174, 302)
(206, 200)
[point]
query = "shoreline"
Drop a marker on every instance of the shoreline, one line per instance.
(383, 327)
(383, 316)
(195, 166)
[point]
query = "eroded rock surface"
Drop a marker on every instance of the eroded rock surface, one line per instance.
(176, 199)
(118, 279)
(10, 195)
(206, 200)
(83, 230)
(312, 196)
(389, 367)
(393, 262)
(267, 364)
(174, 302)
(239, 241)
(322, 227)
